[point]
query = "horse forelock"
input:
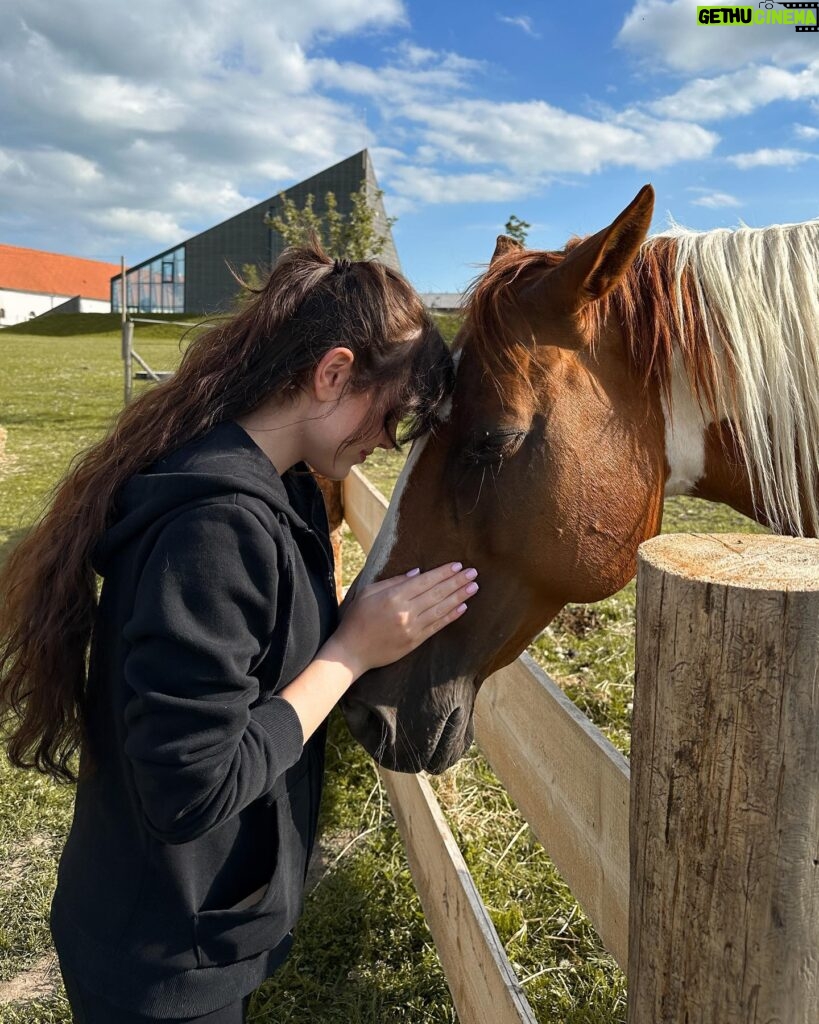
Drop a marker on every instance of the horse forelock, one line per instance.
(493, 316)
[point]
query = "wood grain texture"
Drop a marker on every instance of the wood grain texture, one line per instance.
(725, 783)
(571, 785)
(364, 507)
(484, 987)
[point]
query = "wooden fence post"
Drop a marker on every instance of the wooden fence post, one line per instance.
(724, 909)
(127, 354)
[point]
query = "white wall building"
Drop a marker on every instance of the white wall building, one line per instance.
(34, 282)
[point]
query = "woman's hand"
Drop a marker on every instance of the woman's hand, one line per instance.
(382, 622)
(386, 620)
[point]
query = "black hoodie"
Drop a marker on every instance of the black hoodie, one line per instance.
(183, 872)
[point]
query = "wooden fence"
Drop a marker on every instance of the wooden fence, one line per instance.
(574, 789)
(130, 354)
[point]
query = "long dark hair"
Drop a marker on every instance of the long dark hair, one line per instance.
(48, 588)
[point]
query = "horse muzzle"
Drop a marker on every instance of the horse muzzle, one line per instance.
(410, 740)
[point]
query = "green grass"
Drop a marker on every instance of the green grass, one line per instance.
(75, 325)
(363, 953)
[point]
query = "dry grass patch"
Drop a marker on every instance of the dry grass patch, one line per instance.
(41, 981)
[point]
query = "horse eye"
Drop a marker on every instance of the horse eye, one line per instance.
(493, 446)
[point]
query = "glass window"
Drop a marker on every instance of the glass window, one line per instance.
(132, 285)
(156, 287)
(144, 278)
(155, 277)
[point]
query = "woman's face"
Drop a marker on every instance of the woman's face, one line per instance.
(329, 452)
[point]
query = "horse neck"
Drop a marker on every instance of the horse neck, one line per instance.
(740, 400)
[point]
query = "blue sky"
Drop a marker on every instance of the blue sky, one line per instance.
(125, 129)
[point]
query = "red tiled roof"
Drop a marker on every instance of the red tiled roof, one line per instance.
(29, 270)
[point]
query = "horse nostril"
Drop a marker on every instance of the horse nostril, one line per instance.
(450, 743)
(451, 729)
(367, 724)
(355, 713)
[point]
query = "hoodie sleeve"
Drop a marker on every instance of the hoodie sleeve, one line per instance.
(204, 611)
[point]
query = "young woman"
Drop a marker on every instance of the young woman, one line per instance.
(196, 684)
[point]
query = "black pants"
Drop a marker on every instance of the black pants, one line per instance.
(88, 1008)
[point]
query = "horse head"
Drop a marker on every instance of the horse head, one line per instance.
(546, 475)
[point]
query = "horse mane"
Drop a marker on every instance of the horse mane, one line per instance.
(736, 312)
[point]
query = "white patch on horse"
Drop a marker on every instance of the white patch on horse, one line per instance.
(684, 433)
(380, 551)
(383, 545)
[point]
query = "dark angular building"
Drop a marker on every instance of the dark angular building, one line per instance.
(193, 277)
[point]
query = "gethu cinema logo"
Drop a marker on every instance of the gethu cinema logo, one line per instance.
(803, 16)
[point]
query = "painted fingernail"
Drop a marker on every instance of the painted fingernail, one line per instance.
(471, 574)
(456, 567)
(472, 588)
(413, 572)
(461, 609)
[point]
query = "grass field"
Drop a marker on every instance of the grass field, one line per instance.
(363, 953)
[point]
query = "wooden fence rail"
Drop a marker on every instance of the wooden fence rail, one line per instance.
(570, 783)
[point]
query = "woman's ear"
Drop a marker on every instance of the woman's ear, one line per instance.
(332, 374)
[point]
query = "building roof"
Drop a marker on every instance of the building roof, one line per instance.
(49, 273)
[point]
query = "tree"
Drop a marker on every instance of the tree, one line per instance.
(517, 229)
(250, 281)
(352, 236)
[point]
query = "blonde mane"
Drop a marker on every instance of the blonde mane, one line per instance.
(757, 293)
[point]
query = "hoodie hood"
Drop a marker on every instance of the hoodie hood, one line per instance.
(224, 462)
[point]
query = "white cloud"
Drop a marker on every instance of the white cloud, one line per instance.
(740, 92)
(152, 224)
(535, 139)
(666, 32)
(520, 21)
(713, 200)
(806, 131)
(416, 76)
(210, 107)
(423, 185)
(146, 123)
(771, 158)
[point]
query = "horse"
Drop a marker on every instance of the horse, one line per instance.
(590, 383)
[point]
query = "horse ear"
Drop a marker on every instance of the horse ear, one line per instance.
(503, 245)
(596, 264)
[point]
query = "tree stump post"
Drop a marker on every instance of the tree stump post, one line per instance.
(724, 830)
